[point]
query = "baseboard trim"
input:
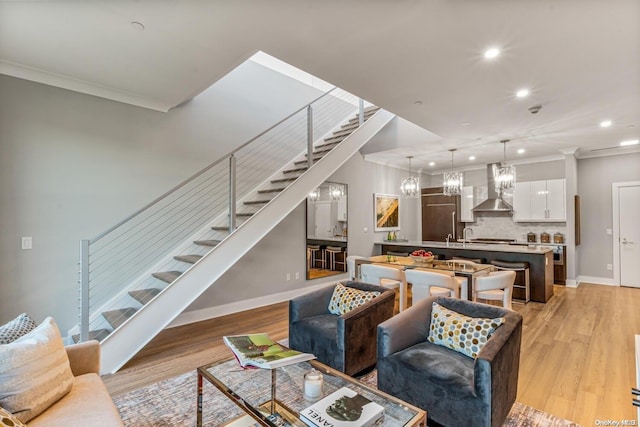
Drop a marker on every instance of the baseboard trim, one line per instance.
(608, 281)
(188, 317)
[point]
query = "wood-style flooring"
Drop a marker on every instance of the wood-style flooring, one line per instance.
(577, 357)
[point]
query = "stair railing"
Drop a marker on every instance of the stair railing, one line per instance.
(128, 252)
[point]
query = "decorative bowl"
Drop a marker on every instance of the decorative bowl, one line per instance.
(422, 258)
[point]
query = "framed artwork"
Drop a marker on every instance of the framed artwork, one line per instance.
(386, 210)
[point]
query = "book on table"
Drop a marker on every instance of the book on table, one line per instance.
(343, 408)
(260, 351)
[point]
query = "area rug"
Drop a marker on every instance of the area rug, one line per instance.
(172, 403)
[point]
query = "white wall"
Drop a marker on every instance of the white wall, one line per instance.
(72, 165)
(595, 179)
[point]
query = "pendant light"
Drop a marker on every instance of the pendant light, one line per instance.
(452, 181)
(336, 191)
(410, 186)
(314, 195)
(506, 174)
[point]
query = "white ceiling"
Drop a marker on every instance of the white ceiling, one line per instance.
(579, 58)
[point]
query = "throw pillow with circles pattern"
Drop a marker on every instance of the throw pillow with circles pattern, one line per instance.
(464, 334)
(345, 299)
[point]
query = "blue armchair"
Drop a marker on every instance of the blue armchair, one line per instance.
(454, 389)
(346, 342)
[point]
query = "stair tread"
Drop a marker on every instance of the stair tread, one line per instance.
(273, 190)
(283, 180)
(167, 276)
(257, 202)
(98, 335)
(328, 144)
(143, 296)
(191, 259)
(207, 242)
(220, 228)
(294, 170)
(245, 214)
(117, 317)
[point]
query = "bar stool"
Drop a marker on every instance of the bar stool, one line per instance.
(332, 251)
(316, 256)
(520, 287)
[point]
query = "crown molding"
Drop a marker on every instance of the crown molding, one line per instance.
(65, 82)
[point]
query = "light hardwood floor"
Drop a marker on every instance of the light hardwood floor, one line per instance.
(577, 357)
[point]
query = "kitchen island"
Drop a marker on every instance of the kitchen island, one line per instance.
(539, 257)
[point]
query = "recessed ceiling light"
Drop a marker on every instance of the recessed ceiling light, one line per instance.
(466, 123)
(522, 93)
(521, 150)
(629, 142)
(491, 53)
(472, 157)
(605, 123)
(432, 163)
(418, 102)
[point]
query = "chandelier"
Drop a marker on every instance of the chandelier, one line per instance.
(314, 195)
(410, 186)
(336, 191)
(452, 181)
(506, 174)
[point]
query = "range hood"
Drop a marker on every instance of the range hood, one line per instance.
(494, 202)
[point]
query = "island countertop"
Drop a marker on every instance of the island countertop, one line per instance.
(539, 258)
(518, 248)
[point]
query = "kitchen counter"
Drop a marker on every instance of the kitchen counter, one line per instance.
(539, 257)
(328, 238)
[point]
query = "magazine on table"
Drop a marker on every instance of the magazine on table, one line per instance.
(343, 408)
(260, 351)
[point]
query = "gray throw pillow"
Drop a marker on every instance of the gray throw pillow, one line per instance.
(21, 325)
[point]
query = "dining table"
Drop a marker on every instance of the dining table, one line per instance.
(470, 271)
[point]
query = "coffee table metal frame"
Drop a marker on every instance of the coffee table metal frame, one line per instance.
(260, 412)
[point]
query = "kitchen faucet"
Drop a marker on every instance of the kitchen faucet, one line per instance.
(449, 236)
(464, 234)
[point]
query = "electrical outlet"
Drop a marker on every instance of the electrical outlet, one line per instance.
(609, 232)
(27, 243)
(297, 275)
(609, 267)
(288, 276)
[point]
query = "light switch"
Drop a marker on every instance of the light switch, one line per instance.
(27, 243)
(609, 232)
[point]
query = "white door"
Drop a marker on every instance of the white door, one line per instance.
(538, 195)
(629, 212)
(522, 201)
(556, 200)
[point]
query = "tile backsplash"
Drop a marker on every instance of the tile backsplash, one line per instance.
(503, 226)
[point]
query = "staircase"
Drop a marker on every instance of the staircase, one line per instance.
(201, 261)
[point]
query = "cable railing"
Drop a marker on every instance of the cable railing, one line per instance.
(205, 207)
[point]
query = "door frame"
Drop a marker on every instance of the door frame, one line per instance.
(615, 192)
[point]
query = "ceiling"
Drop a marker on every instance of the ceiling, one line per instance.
(422, 60)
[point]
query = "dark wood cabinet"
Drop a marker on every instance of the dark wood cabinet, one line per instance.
(440, 215)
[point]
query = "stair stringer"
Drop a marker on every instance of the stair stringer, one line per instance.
(138, 330)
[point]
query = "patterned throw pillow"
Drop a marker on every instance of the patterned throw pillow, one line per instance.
(7, 419)
(345, 299)
(34, 371)
(461, 333)
(21, 325)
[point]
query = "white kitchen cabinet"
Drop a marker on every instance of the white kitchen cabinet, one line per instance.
(540, 201)
(342, 209)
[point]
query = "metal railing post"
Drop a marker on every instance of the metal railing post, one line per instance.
(84, 290)
(360, 112)
(232, 193)
(309, 136)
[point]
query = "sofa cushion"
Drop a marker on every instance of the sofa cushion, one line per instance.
(461, 333)
(34, 371)
(87, 404)
(345, 299)
(21, 325)
(7, 419)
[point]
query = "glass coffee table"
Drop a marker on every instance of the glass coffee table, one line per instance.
(275, 397)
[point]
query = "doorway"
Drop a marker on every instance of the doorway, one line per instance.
(626, 238)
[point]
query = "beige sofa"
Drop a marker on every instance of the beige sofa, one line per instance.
(88, 403)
